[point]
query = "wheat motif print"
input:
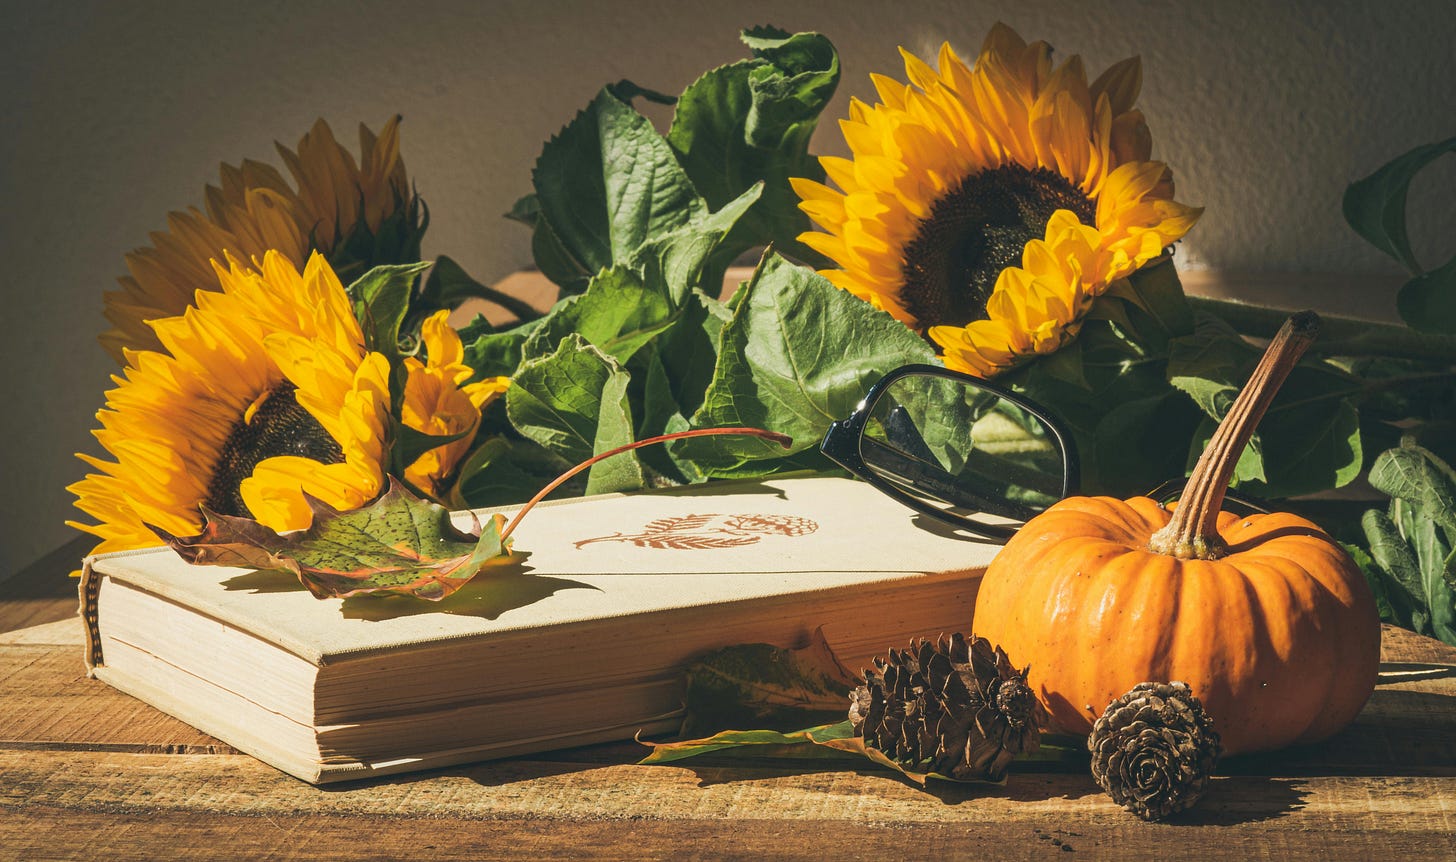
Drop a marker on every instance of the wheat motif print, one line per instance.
(710, 531)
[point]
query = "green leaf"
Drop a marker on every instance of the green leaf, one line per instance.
(1414, 474)
(618, 313)
(556, 261)
(1375, 205)
(1310, 438)
(689, 350)
(1413, 546)
(1428, 301)
(504, 472)
(1377, 580)
(526, 210)
(606, 185)
(1155, 307)
(1112, 380)
(751, 121)
(1132, 439)
(693, 257)
(449, 285)
(658, 413)
(1433, 557)
(764, 686)
(1397, 560)
(398, 545)
(381, 299)
(574, 403)
(495, 354)
(783, 365)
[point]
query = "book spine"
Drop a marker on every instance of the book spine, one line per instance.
(90, 590)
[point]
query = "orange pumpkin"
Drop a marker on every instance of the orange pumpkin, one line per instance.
(1266, 617)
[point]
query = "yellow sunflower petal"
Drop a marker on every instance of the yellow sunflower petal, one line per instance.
(438, 402)
(254, 210)
(1074, 153)
(269, 363)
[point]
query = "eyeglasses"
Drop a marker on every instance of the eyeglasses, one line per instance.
(964, 451)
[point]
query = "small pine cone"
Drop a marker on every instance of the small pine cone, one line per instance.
(1153, 749)
(953, 707)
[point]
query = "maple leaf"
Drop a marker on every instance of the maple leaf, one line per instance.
(399, 544)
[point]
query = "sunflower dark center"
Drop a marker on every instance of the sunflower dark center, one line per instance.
(975, 231)
(278, 427)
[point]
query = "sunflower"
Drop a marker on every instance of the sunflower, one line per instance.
(264, 393)
(438, 401)
(357, 214)
(988, 206)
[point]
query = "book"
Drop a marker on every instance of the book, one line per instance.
(585, 642)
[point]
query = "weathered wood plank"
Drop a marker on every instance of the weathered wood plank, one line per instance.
(129, 806)
(46, 702)
(45, 834)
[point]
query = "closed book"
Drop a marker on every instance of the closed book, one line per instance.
(585, 642)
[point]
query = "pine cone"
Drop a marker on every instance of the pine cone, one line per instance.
(953, 707)
(1153, 749)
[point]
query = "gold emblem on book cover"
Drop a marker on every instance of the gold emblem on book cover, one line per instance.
(710, 532)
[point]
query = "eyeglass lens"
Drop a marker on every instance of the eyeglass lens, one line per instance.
(966, 450)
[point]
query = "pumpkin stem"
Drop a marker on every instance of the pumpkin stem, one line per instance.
(1193, 531)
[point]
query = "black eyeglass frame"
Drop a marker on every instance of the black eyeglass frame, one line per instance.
(841, 445)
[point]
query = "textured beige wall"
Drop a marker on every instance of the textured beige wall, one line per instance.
(118, 112)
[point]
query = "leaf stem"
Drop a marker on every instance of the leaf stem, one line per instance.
(1193, 531)
(782, 439)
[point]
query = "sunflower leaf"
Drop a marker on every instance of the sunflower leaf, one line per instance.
(492, 353)
(503, 472)
(398, 545)
(1428, 302)
(751, 121)
(696, 256)
(381, 299)
(574, 403)
(526, 210)
(606, 184)
(783, 365)
(1310, 438)
(619, 313)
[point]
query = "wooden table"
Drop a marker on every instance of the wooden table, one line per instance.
(89, 773)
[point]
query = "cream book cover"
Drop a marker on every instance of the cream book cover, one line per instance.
(584, 642)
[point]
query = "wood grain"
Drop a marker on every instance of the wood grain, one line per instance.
(132, 806)
(47, 703)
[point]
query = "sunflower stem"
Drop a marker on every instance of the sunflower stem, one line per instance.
(782, 439)
(1342, 336)
(1193, 531)
(524, 311)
